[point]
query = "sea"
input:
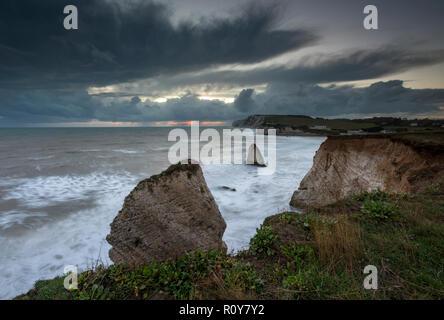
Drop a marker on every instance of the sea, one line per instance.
(60, 188)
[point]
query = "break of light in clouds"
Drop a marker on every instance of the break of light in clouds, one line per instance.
(139, 63)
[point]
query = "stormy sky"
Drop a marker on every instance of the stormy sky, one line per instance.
(139, 62)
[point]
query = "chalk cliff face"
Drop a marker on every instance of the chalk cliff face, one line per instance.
(254, 121)
(352, 164)
(166, 216)
(255, 156)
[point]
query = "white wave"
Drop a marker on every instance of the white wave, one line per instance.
(159, 148)
(126, 151)
(41, 158)
(78, 239)
(45, 191)
(257, 197)
(12, 218)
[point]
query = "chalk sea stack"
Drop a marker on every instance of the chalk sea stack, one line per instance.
(166, 216)
(255, 156)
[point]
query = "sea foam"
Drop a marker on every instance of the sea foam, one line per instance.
(67, 216)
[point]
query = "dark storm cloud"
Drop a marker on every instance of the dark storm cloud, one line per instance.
(48, 106)
(381, 97)
(244, 101)
(117, 43)
(45, 69)
(303, 98)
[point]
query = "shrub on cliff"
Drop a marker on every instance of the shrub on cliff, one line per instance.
(264, 242)
(192, 276)
(380, 210)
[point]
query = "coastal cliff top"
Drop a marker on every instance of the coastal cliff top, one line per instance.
(432, 141)
(290, 124)
(316, 255)
(178, 167)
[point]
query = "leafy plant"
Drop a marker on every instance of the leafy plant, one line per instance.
(245, 276)
(296, 282)
(298, 253)
(380, 210)
(264, 242)
(288, 217)
(177, 278)
(375, 195)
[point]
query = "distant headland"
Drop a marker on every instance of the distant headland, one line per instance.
(294, 125)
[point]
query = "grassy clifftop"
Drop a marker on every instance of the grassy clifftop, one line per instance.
(300, 124)
(320, 254)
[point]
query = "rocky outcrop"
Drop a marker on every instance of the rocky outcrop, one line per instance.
(167, 216)
(255, 156)
(350, 165)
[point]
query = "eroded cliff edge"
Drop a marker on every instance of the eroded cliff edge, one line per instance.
(167, 216)
(349, 165)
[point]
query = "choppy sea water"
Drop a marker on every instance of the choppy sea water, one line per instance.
(60, 188)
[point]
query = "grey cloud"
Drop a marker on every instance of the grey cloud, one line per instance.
(321, 68)
(381, 97)
(244, 101)
(55, 106)
(45, 70)
(135, 100)
(117, 43)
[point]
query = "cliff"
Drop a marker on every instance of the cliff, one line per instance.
(284, 128)
(297, 125)
(317, 255)
(353, 164)
(165, 217)
(254, 121)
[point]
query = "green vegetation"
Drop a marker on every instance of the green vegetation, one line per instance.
(183, 278)
(301, 121)
(377, 205)
(264, 242)
(431, 140)
(400, 234)
(330, 127)
(189, 168)
(48, 290)
(320, 254)
(197, 275)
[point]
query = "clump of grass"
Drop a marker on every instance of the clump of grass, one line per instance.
(241, 281)
(380, 210)
(288, 216)
(375, 195)
(298, 253)
(304, 276)
(380, 205)
(177, 279)
(296, 282)
(338, 242)
(264, 242)
(174, 278)
(52, 289)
